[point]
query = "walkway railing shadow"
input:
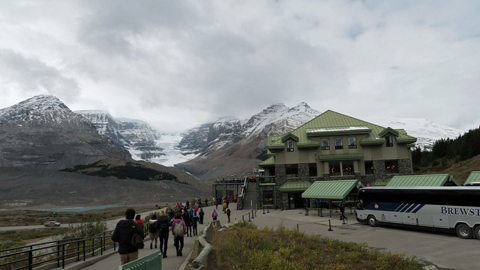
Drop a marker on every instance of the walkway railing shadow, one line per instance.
(54, 254)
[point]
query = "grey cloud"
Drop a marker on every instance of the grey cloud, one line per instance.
(110, 25)
(31, 76)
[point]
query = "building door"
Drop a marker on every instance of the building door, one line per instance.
(295, 200)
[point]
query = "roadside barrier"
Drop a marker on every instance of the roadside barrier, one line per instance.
(206, 258)
(151, 261)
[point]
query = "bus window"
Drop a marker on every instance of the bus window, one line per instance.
(359, 204)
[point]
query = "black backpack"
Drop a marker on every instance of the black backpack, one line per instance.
(164, 227)
(152, 228)
(137, 240)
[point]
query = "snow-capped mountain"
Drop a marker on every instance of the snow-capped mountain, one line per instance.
(105, 125)
(424, 130)
(44, 132)
(274, 120)
(137, 136)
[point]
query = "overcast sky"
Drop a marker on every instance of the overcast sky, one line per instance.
(177, 64)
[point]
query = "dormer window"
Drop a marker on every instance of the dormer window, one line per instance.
(389, 140)
(339, 143)
(289, 146)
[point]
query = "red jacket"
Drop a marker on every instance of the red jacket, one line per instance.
(214, 213)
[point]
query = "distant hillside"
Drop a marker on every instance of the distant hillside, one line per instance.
(460, 171)
(43, 188)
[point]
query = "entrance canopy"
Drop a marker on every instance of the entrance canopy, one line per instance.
(427, 180)
(330, 190)
(295, 186)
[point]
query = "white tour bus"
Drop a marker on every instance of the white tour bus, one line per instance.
(452, 208)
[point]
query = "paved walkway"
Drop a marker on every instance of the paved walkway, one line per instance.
(271, 218)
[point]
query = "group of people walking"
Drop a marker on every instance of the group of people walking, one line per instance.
(181, 221)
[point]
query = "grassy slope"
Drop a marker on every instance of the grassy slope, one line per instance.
(460, 171)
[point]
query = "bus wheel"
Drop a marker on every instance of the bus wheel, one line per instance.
(372, 221)
(477, 232)
(463, 231)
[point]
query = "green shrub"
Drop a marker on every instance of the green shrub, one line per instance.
(245, 247)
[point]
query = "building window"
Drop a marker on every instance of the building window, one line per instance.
(289, 146)
(389, 140)
(334, 168)
(312, 169)
(339, 143)
(352, 142)
(339, 168)
(291, 169)
(391, 166)
(369, 167)
(347, 168)
(325, 144)
(268, 197)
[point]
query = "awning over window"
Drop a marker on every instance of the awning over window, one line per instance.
(295, 186)
(340, 157)
(330, 190)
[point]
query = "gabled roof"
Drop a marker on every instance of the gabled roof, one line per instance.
(289, 136)
(332, 123)
(473, 177)
(330, 190)
(388, 130)
(428, 180)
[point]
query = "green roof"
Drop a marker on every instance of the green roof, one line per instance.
(269, 162)
(429, 180)
(340, 157)
(295, 186)
(388, 130)
(474, 177)
(333, 123)
(289, 136)
(330, 190)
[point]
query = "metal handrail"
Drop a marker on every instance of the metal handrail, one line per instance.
(54, 251)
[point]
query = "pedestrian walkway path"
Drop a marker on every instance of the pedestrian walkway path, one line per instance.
(296, 218)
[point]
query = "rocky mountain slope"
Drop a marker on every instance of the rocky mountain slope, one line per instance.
(232, 146)
(43, 132)
(137, 136)
(42, 135)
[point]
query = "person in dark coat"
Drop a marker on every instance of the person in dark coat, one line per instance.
(123, 235)
(228, 214)
(188, 222)
(170, 214)
(201, 214)
(163, 226)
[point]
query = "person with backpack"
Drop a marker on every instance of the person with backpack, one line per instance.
(153, 230)
(163, 227)
(195, 223)
(201, 214)
(178, 230)
(214, 214)
(123, 234)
